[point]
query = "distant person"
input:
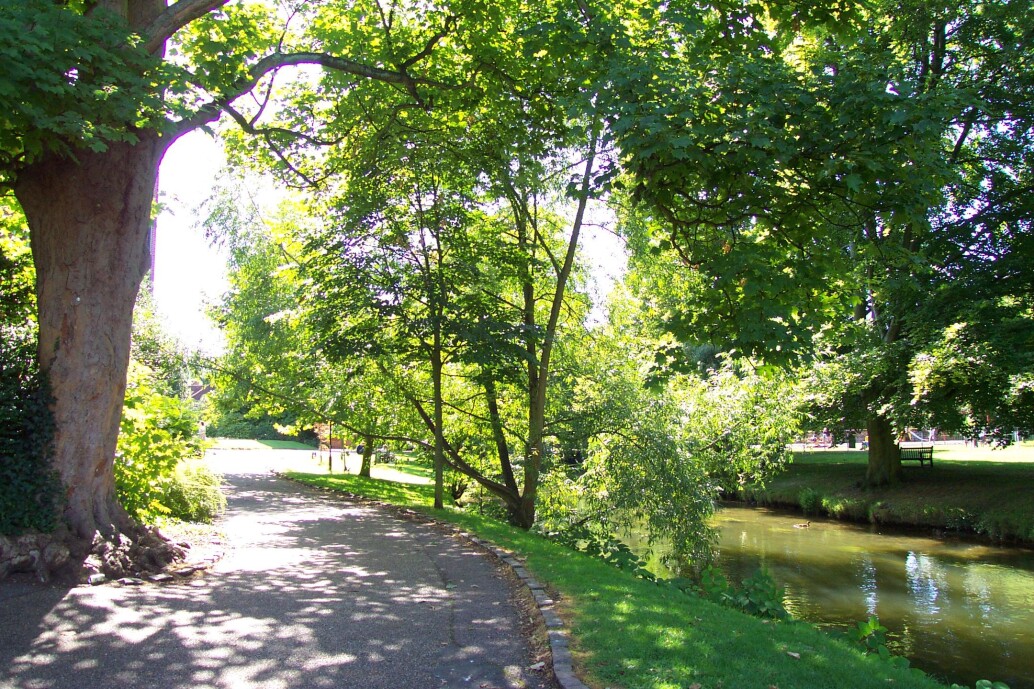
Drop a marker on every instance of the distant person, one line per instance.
(201, 431)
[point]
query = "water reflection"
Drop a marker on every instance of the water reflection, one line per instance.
(961, 611)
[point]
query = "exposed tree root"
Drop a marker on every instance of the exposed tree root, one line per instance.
(142, 551)
(41, 554)
(145, 552)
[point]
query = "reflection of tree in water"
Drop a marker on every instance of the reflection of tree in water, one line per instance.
(958, 610)
(868, 585)
(923, 574)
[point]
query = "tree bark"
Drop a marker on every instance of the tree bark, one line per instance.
(498, 434)
(439, 438)
(367, 464)
(884, 458)
(89, 222)
(538, 376)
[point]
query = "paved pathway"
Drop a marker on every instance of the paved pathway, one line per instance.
(313, 592)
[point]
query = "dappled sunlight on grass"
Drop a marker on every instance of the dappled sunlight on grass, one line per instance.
(241, 444)
(407, 494)
(642, 635)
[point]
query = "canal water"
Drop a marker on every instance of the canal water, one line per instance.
(958, 610)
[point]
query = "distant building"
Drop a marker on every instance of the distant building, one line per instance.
(198, 391)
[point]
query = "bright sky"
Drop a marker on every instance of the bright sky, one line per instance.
(190, 274)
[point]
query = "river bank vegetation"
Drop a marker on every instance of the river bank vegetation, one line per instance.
(968, 490)
(635, 633)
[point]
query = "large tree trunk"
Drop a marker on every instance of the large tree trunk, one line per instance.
(89, 220)
(884, 457)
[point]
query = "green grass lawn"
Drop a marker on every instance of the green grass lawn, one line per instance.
(634, 634)
(406, 466)
(1020, 453)
(241, 444)
(978, 490)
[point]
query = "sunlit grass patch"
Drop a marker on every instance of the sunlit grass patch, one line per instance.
(1017, 453)
(395, 492)
(412, 468)
(243, 444)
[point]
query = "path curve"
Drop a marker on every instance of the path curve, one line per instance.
(312, 592)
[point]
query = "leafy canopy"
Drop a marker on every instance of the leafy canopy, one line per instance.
(71, 81)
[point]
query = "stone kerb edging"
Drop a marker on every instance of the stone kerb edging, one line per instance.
(563, 668)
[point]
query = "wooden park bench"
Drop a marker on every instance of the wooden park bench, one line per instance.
(920, 453)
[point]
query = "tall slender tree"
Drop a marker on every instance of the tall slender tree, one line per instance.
(275, 364)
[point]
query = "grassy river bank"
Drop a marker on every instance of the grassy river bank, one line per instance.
(971, 491)
(628, 632)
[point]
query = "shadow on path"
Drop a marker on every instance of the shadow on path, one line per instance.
(313, 592)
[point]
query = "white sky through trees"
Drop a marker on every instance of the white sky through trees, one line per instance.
(190, 273)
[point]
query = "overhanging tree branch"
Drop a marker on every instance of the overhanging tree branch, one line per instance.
(210, 112)
(267, 133)
(174, 18)
(450, 24)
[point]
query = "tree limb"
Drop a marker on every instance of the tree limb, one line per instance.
(456, 462)
(267, 134)
(450, 24)
(210, 112)
(174, 18)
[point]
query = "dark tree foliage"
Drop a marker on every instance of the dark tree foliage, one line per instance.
(29, 490)
(852, 187)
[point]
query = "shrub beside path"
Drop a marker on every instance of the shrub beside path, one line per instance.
(312, 592)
